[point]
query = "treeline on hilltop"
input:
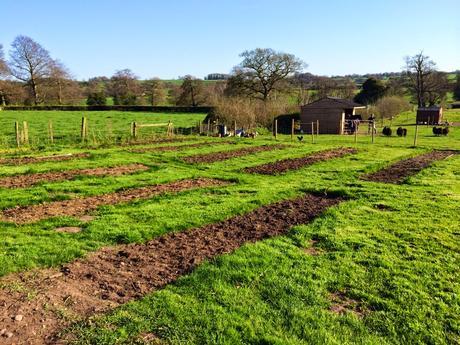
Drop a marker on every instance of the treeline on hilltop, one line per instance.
(265, 84)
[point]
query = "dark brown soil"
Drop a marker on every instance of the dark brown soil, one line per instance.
(224, 155)
(27, 180)
(80, 206)
(31, 160)
(288, 164)
(180, 147)
(116, 275)
(397, 173)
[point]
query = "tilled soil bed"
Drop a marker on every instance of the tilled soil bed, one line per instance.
(80, 206)
(224, 155)
(27, 180)
(180, 147)
(288, 164)
(31, 160)
(116, 275)
(397, 173)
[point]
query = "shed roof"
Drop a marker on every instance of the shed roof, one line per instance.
(333, 102)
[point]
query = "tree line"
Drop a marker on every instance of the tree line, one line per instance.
(263, 83)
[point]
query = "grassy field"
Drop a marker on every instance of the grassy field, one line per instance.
(399, 263)
(103, 126)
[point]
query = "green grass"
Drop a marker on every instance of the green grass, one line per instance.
(103, 126)
(401, 263)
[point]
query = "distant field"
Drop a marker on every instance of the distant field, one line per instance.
(102, 125)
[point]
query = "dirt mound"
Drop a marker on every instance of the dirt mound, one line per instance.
(30, 160)
(116, 275)
(221, 156)
(284, 165)
(27, 180)
(81, 206)
(400, 171)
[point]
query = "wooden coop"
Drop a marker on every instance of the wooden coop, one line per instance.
(332, 113)
(429, 116)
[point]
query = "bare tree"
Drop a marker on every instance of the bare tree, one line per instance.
(30, 63)
(124, 87)
(192, 92)
(59, 88)
(437, 86)
(3, 74)
(419, 68)
(3, 65)
(263, 71)
(155, 91)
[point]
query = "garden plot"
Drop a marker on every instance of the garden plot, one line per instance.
(27, 180)
(31, 160)
(288, 164)
(397, 173)
(181, 147)
(81, 206)
(224, 155)
(116, 275)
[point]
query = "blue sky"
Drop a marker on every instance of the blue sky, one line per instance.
(170, 38)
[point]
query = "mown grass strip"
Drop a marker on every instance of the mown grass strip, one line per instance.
(81, 206)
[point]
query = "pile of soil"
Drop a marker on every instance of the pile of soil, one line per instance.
(31, 160)
(116, 275)
(397, 173)
(80, 206)
(221, 156)
(27, 180)
(288, 164)
(180, 147)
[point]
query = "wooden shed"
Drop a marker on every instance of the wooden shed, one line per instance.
(429, 115)
(331, 112)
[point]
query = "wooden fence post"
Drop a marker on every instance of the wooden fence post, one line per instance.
(209, 126)
(16, 131)
(312, 133)
(317, 128)
(134, 129)
(416, 134)
(25, 128)
(292, 129)
(234, 128)
(83, 131)
(373, 131)
(50, 131)
(356, 132)
(275, 129)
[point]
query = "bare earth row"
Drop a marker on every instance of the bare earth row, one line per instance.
(116, 275)
(288, 164)
(31, 160)
(180, 147)
(27, 180)
(80, 206)
(224, 155)
(400, 171)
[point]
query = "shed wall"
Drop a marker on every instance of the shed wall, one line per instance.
(330, 120)
(432, 117)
